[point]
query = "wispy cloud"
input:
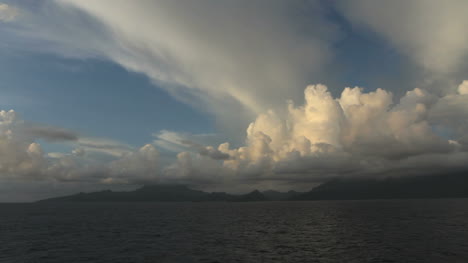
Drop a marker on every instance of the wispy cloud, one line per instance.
(431, 32)
(232, 59)
(103, 145)
(49, 133)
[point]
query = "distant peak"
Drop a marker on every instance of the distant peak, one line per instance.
(162, 186)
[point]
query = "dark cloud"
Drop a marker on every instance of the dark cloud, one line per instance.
(49, 133)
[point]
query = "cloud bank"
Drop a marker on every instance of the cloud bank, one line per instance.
(23, 158)
(357, 134)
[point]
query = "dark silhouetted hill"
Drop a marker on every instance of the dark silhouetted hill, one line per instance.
(437, 186)
(273, 195)
(159, 193)
(253, 196)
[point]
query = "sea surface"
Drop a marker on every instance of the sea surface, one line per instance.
(310, 231)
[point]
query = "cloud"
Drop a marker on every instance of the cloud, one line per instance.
(451, 112)
(232, 59)
(19, 156)
(49, 133)
(7, 13)
(105, 146)
(179, 142)
(356, 134)
(463, 88)
(199, 170)
(31, 131)
(431, 32)
(22, 157)
(207, 150)
(171, 141)
(240, 60)
(359, 133)
(141, 165)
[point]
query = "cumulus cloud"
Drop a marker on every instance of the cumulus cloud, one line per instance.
(359, 133)
(141, 165)
(22, 157)
(196, 169)
(32, 131)
(450, 113)
(19, 156)
(431, 32)
(463, 88)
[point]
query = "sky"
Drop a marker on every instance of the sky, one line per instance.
(228, 95)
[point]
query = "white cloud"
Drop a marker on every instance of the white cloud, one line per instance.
(451, 112)
(356, 134)
(179, 142)
(19, 156)
(432, 32)
(141, 165)
(196, 169)
(22, 157)
(170, 140)
(238, 59)
(232, 59)
(103, 145)
(463, 88)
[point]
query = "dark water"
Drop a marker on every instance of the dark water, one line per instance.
(325, 231)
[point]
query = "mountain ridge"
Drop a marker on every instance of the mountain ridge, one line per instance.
(159, 193)
(435, 186)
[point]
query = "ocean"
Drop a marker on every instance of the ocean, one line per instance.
(308, 231)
